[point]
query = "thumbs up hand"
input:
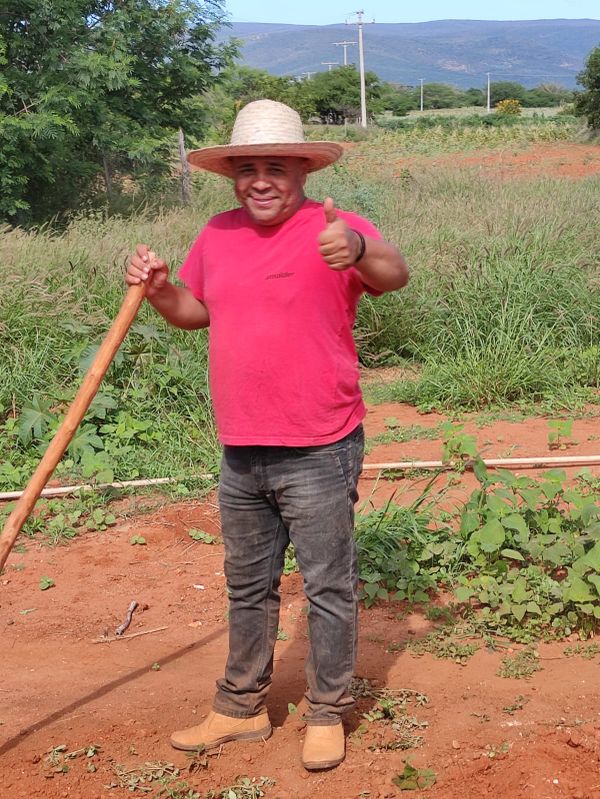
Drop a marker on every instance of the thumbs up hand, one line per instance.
(339, 245)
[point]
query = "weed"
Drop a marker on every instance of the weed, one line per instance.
(141, 778)
(290, 564)
(396, 433)
(518, 704)
(243, 788)
(521, 665)
(445, 644)
(46, 583)
(414, 779)
(560, 430)
(138, 540)
(200, 535)
(390, 712)
(588, 652)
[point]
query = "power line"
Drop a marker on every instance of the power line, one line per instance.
(345, 45)
(361, 61)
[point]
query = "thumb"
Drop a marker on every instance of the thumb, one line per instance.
(329, 209)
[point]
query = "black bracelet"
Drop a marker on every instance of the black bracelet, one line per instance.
(363, 245)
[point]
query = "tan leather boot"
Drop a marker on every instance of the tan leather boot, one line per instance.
(324, 747)
(217, 729)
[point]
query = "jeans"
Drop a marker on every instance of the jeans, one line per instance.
(269, 496)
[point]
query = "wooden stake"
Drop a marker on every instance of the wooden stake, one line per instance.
(66, 431)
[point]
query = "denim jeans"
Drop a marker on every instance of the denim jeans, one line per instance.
(270, 496)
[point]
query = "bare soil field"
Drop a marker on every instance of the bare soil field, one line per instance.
(84, 717)
(555, 159)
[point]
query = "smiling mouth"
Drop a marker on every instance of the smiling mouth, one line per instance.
(263, 200)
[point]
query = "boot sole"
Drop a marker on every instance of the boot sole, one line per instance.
(322, 765)
(254, 735)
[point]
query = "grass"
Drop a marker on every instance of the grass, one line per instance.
(502, 307)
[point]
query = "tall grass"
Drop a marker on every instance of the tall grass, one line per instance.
(503, 304)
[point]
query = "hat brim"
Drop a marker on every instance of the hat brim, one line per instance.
(318, 155)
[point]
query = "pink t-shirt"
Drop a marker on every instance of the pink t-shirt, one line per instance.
(283, 365)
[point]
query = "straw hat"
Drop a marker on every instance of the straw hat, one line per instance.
(265, 127)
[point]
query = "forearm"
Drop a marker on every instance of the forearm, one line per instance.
(382, 266)
(179, 307)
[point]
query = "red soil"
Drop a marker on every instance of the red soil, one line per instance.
(556, 160)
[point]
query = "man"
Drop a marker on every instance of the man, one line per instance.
(278, 281)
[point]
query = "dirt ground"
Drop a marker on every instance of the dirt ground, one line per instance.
(551, 159)
(61, 687)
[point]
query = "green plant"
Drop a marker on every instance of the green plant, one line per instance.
(243, 788)
(137, 540)
(414, 779)
(46, 583)
(535, 548)
(508, 106)
(520, 666)
(559, 430)
(398, 551)
(518, 704)
(200, 535)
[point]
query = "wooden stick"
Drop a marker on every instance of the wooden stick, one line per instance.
(522, 463)
(110, 639)
(66, 431)
(61, 491)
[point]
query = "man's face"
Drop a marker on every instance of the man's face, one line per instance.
(270, 188)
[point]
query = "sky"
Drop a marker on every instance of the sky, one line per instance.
(316, 12)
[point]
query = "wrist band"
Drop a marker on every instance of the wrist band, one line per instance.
(363, 245)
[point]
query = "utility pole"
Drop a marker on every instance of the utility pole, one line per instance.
(421, 79)
(329, 64)
(307, 75)
(489, 105)
(345, 45)
(361, 64)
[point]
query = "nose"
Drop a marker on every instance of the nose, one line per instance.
(261, 181)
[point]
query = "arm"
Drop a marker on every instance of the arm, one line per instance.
(175, 303)
(382, 267)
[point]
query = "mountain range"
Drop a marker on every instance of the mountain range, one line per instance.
(459, 52)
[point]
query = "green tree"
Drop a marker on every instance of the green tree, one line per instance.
(441, 95)
(240, 85)
(398, 99)
(475, 97)
(336, 94)
(587, 102)
(547, 95)
(93, 91)
(506, 90)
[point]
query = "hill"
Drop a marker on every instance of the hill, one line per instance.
(459, 52)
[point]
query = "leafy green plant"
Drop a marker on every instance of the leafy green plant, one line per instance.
(46, 583)
(243, 788)
(399, 551)
(137, 540)
(536, 550)
(559, 430)
(201, 535)
(414, 779)
(521, 665)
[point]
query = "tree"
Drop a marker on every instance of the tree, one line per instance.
(506, 90)
(240, 85)
(587, 102)
(546, 95)
(336, 94)
(95, 90)
(441, 95)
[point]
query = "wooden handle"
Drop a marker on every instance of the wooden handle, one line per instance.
(66, 431)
